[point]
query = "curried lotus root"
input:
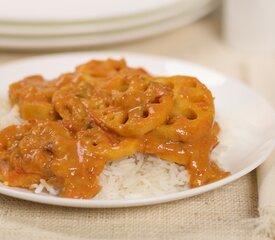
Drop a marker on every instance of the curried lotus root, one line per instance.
(105, 111)
(189, 130)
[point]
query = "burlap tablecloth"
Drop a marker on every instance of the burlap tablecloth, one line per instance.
(221, 214)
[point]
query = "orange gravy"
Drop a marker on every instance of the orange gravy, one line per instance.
(105, 111)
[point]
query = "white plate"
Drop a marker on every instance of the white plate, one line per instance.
(76, 10)
(105, 38)
(248, 119)
(36, 29)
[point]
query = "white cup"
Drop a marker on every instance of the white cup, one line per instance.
(249, 25)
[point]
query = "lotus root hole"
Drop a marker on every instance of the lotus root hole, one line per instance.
(156, 100)
(145, 113)
(190, 114)
(125, 120)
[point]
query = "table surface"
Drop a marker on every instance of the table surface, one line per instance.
(224, 213)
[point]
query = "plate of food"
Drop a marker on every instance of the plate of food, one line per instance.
(117, 129)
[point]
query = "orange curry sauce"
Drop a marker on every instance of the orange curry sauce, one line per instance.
(105, 111)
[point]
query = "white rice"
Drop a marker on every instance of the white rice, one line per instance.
(8, 115)
(137, 176)
(141, 176)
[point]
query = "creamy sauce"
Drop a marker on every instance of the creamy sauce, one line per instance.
(105, 111)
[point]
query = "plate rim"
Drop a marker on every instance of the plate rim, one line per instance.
(89, 27)
(65, 20)
(94, 203)
(77, 41)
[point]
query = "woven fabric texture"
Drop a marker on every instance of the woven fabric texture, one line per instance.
(212, 215)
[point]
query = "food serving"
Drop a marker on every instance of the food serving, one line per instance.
(79, 128)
